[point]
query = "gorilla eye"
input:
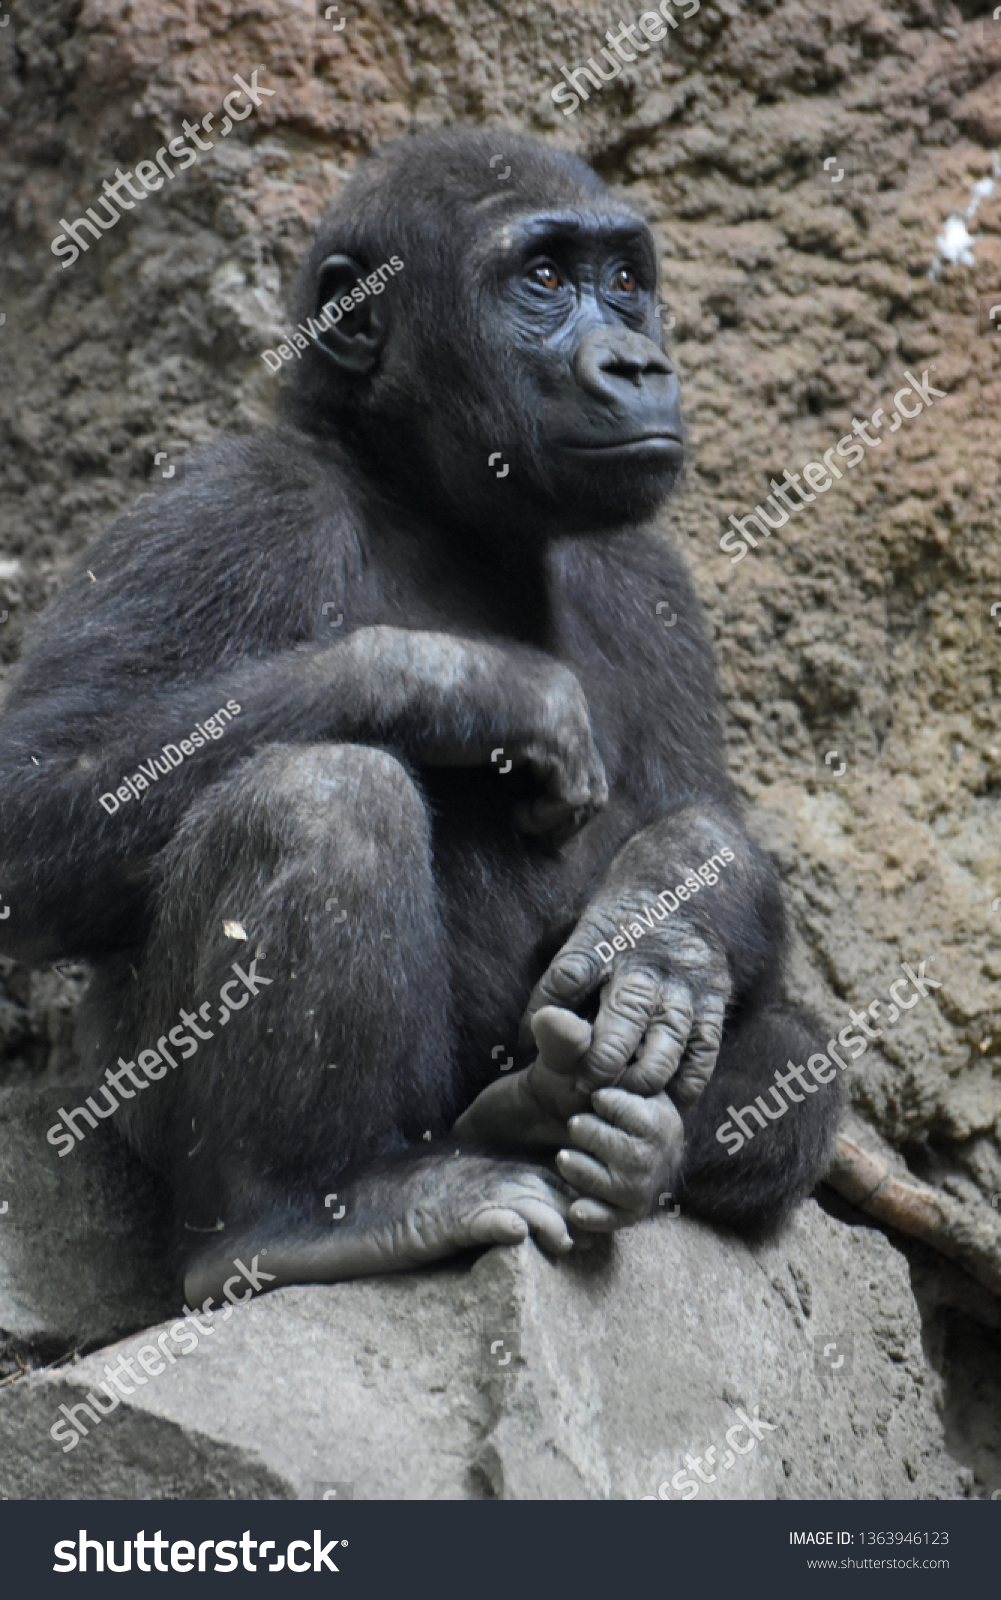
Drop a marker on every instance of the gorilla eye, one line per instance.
(547, 277)
(625, 280)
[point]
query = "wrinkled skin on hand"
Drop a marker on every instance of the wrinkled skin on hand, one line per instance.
(660, 1015)
(618, 1148)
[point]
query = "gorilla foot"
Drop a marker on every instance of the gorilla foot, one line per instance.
(399, 1219)
(624, 1152)
(529, 1110)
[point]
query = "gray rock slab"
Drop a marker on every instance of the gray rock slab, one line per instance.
(82, 1241)
(519, 1378)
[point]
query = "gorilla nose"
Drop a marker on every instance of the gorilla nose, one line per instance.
(609, 357)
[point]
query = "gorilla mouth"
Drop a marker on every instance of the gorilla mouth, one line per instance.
(662, 443)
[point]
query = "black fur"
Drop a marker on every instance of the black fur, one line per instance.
(374, 494)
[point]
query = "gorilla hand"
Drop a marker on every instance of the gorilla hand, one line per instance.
(660, 1017)
(456, 702)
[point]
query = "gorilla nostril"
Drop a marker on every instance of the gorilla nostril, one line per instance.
(608, 355)
(635, 368)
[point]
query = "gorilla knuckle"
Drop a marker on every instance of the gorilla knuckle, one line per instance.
(636, 994)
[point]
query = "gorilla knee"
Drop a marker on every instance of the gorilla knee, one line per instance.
(302, 797)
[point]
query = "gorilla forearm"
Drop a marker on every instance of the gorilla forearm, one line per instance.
(741, 912)
(76, 877)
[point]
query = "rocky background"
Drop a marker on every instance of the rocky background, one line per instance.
(864, 625)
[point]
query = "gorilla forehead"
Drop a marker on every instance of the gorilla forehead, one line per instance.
(439, 186)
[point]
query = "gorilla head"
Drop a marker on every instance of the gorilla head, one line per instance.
(521, 326)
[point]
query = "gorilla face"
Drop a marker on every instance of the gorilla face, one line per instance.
(575, 301)
(520, 332)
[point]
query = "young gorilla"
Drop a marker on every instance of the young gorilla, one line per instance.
(497, 757)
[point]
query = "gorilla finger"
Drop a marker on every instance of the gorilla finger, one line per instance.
(570, 977)
(665, 1041)
(562, 1037)
(631, 1116)
(697, 1067)
(628, 1005)
(594, 1217)
(586, 1174)
(544, 815)
(622, 1152)
(658, 1060)
(563, 778)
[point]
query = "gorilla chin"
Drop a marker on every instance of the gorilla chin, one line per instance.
(605, 486)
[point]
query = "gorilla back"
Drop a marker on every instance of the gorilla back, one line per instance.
(426, 817)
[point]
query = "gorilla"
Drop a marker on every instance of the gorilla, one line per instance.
(514, 963)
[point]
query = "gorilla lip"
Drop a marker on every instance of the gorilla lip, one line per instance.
(666, 443)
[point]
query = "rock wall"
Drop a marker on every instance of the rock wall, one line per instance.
(861, 629)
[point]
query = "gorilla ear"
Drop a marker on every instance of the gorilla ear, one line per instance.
(358, 318)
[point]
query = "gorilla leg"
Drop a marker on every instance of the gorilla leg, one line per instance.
(329, 1077)
(321, 853)
(780, 1162)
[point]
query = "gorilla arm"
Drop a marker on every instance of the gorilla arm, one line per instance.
(663, 1000)
(425, 695)
(606, 1098)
